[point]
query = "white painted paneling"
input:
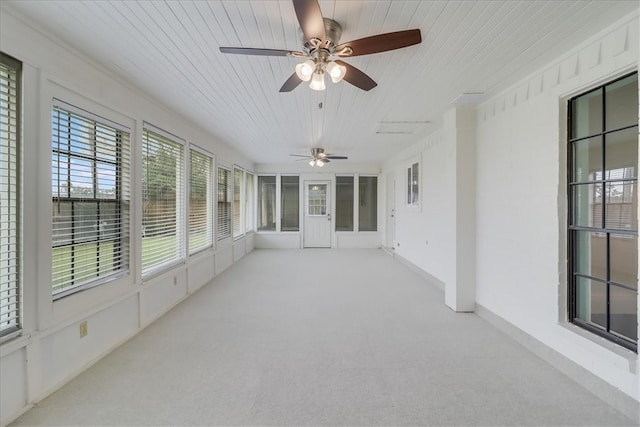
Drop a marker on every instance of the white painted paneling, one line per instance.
(161, 293)
(224, 258)
(13, 387)
(358, 240)
(239, 249)
(58, 357)
(201, 271)
(277, 241)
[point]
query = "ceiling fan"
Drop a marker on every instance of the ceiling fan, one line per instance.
(321, 50)
(319, 157)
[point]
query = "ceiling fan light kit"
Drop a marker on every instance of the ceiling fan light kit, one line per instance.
(321, 48)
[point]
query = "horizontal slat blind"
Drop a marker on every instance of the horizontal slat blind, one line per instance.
(249, 203)
(200, 201)
(9, 201)
(224, 203)
(162, 199)
(90, 200)
(238, 187)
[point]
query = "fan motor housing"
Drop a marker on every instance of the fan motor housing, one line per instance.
(333, 32)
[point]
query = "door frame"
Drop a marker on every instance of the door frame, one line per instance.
(329, 209)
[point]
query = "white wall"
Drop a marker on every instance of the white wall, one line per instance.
(520, 189)
(50, 351)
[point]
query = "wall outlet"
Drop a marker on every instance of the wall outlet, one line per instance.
(84, 329)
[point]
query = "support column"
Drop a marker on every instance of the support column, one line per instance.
(460, 129)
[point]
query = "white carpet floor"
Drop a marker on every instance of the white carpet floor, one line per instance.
(322, 338)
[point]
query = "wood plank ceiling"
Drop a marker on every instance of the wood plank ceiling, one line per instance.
(169, 49)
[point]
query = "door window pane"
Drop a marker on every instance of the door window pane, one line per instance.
(587, 159)
(623, 251)
(591, 305)
(586, 114)
(590, 254)
(624, 308)
(317, 199)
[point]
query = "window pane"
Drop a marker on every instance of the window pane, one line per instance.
(586, 113)
(624, 308)
(587, 159)
(266, 203)
(622, 103)
(290, 193)
(621, 208)
(415, 182)
(587, 205)
(368, 206)
(591, 301)
(344, 203)
(162, 211)
(622, 154)
(623, 251)
(590, 251)
(90, 200)
(200, 201)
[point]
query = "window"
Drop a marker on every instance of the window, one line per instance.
(290, 207)
(224, 203)
(368, 206)
(10, 71)
(249, 204)
(413, 182)
(344, 203)
(603, 210)
(200, 201)
(90, 199)
(238, 205)
(162, 201)
(266, 203)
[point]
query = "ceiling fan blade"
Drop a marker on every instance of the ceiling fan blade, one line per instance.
(310, 19)
(291, 83)
(357, 77)
(337, 157)
(300, 155)
(260, 52)
(382, 42)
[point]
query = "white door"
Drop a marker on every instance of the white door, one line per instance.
(391, 210)
(317, 214)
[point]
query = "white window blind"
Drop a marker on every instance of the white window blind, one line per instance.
(200, 201)
(162, 200)
(9, 197)
(90, 199)
(249, 209)
(224, 204)
(238, 189)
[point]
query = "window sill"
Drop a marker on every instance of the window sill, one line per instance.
(612, 347)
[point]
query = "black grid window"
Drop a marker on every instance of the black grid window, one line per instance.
(90, 195)
(603, 210)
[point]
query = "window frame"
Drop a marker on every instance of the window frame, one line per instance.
(360, 201)
(259, 199)
(121, 202)
(210, 215)
(412, 190)
(238, 232)
(282, 203)
(14, 315)
(573, 229)
(181, 197)
(221, 234)
(249, 221)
